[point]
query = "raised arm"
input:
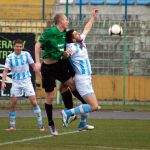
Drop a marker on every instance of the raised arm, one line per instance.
(88, 26)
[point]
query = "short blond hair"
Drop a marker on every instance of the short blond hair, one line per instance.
(57, 18)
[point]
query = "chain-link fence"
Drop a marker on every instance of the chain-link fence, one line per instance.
(107, 53)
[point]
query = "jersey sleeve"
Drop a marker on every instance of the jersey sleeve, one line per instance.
(72, 47)
(83, 36)
(44, 37)
(7, 63)
(30, 59)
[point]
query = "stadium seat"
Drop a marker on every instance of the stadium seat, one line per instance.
(143, 2)
(84, 2)
(112, 2)
(129, 2)
(97, 2)
(64, 1)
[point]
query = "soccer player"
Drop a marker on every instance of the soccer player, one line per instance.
(66, 93)
(18, 62)
(77, 50)
(53, 66)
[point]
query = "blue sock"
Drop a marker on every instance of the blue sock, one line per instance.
(84, 108)
(12, 117)
(38, 113)
(84, 117)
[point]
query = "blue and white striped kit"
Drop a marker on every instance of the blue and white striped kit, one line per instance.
(19, 65)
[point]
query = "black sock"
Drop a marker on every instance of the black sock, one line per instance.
(67, 99)
(49, 112)
(78, 96)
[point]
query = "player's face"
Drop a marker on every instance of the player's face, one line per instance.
(76, 36)
(18, 48)
(64, 22)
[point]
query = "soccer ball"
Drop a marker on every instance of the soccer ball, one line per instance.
(115, 30)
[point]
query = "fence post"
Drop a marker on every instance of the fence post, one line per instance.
(43, 9)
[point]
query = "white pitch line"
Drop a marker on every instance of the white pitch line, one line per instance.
(106, 147)
(24, 129)
(35, 138)
(65, 133)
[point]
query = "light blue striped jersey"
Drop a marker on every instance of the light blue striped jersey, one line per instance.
(79, 58)
(19, 65)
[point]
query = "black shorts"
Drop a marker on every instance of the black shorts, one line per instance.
(70, 68)
(52, 72)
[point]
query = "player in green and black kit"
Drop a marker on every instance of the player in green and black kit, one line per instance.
(53, 66)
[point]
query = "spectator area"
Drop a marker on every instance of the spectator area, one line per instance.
(136, 8)
(25, 9)
(106, 2)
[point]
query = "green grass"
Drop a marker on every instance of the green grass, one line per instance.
(107, 135)
(134, 107)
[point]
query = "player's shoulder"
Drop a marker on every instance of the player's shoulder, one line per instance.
(50, 32)
(71, 44)
(51, 29)
(25, 53)
(10, 55)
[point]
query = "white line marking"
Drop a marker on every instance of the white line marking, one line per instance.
(65, 133)
(23, 129)
(36, 138)
(105, 147)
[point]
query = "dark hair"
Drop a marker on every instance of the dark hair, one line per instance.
(17, 41)
(69, 36)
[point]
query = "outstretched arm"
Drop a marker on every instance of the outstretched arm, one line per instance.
(88, 26)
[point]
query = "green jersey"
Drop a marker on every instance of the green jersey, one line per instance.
(53, 42)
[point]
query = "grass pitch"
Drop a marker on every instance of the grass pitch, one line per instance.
(107, 135)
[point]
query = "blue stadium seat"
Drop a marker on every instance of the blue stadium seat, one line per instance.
(84, 2)
(129, 2)
(112, 2)
(97, 2)
(143, 2)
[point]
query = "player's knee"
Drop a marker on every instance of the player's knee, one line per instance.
(13, 103)
(63, 88)
(95, 107)
(13, 107)
(33, 103)
(50, 99)
(71, 84)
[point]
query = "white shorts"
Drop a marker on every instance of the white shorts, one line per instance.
(22, 87)
(84, 85)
